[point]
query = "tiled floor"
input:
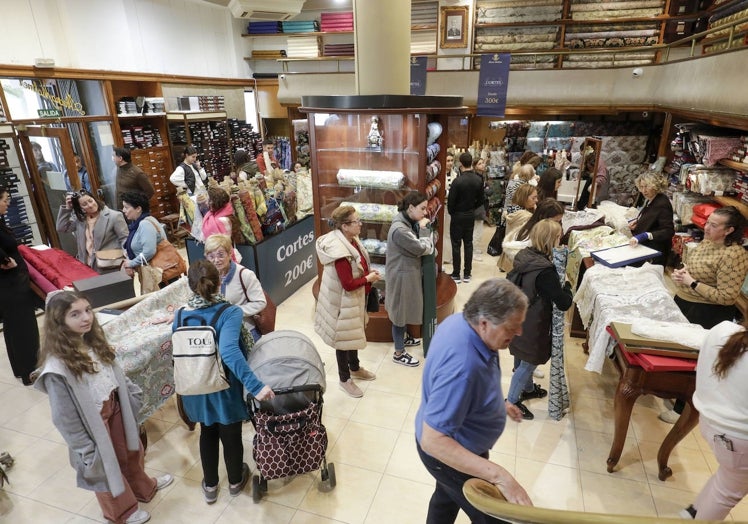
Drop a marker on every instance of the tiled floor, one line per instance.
(379, 476)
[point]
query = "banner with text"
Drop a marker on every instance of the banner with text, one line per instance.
(493, 83)
(418, 75)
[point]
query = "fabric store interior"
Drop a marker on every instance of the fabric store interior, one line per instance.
(612, 95)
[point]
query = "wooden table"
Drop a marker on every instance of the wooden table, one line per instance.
(636, 381)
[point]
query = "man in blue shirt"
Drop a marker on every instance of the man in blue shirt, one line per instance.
(463, 411)
(83, 178)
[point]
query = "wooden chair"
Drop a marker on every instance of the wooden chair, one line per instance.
(487, 498)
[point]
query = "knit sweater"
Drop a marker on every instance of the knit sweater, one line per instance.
(720, 271)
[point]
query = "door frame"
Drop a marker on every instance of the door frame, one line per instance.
(38, 191)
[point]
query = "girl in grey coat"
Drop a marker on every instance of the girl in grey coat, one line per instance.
(94, 407)
(408, 240)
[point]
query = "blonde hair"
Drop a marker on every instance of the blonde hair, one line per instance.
(544, 236)
(526, 172)
(651, 179)
(523, 194)
(216, 242)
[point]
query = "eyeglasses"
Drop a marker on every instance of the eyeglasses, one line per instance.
(216, 255)
(359, 221)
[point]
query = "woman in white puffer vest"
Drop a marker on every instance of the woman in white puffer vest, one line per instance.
(340, 316)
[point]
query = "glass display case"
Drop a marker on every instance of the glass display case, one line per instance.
(369, 152)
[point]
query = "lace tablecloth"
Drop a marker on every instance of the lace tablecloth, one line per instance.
(141, 336)
(623, 294)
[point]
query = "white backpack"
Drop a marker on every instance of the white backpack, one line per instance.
(198, 368)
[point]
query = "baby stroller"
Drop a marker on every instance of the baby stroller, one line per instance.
(290, 438)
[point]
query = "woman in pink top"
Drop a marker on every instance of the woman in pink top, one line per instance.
(220, 219)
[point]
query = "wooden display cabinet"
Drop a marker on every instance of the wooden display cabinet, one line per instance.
(339, 130)
(209, 133)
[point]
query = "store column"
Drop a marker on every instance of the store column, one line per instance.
(382, 43)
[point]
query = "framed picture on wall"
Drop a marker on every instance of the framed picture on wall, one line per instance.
(454, 27)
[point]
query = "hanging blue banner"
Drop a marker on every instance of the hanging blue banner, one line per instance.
(418, 75)
(493, 83)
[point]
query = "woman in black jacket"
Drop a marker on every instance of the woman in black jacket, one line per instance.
(534, 273)
(654, 226)
(20, 330)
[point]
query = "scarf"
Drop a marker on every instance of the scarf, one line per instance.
(212, 223)
(413, 224)
(246, 342)
(228, 277)
(133, 227)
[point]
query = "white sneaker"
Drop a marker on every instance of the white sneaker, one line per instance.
(669, 416)
(405, 359)
(139, 517)
(163, 481)
(538, 373)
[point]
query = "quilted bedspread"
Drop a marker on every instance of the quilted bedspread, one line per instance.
(57, 266)
(141, 336)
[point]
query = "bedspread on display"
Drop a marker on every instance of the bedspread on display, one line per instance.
(616, 13)
(375, 246)
(581, 243)
(683, 205)
(714, 148)
(591, 61)
(497, 46)
(623, 294)
(57, 266)
(141, 336)
(42, 283)
(709, 181)
(371, 212)
(371, 178)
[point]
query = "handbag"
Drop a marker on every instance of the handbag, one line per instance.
(265, 319)
(372, 300)
(494, 246)
(109, 258)
(150, 277)
(168, 260)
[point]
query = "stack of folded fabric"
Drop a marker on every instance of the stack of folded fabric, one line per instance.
(423, 43)
(596, 10)
(303, 47)
(424, 14)
(611, 35)
(263, 28)
(593, 61)
(301, 26)
(336, 22)
(268, 54)
(514, 11)
(338, 50)
(505, 39)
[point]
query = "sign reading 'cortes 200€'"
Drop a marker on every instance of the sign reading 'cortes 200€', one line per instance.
(286, 261)
(493, 82)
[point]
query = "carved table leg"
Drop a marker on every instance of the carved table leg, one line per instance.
(622, 405)
(683, 426)
(183, 415)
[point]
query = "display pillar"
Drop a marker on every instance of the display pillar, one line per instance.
(382, 46)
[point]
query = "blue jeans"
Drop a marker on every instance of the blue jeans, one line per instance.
(521, 381)
(398, 337)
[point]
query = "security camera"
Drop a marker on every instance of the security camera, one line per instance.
(645, 114)
(282, 77)
(637, 72)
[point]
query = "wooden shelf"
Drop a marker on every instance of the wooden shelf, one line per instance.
(145, 115)
(731, 201)
(739, 166)
(571, 21)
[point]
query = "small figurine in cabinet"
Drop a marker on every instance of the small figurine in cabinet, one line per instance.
(375, 139)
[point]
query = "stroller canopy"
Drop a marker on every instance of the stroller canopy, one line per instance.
(287, 358)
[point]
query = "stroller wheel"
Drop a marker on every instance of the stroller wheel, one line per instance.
(256, 490)
(328, 478)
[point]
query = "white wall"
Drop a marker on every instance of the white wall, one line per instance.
(184, 37)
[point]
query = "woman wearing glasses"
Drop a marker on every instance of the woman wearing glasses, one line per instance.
(340, 316)
(94, 225)
(239, 285)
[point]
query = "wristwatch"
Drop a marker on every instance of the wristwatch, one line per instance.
(694, 284)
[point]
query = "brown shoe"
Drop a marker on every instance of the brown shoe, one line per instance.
(352, 389)
(362, 374)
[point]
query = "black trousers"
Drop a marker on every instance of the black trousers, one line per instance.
(20, 329)
(448, 499)
(347, 362)
(230, 436)
(461, 232)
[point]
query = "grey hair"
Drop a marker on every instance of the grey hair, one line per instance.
(496, 300)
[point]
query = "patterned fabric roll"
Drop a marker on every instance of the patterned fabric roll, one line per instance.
(558, 394)
(249, 208)
(242, 218)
